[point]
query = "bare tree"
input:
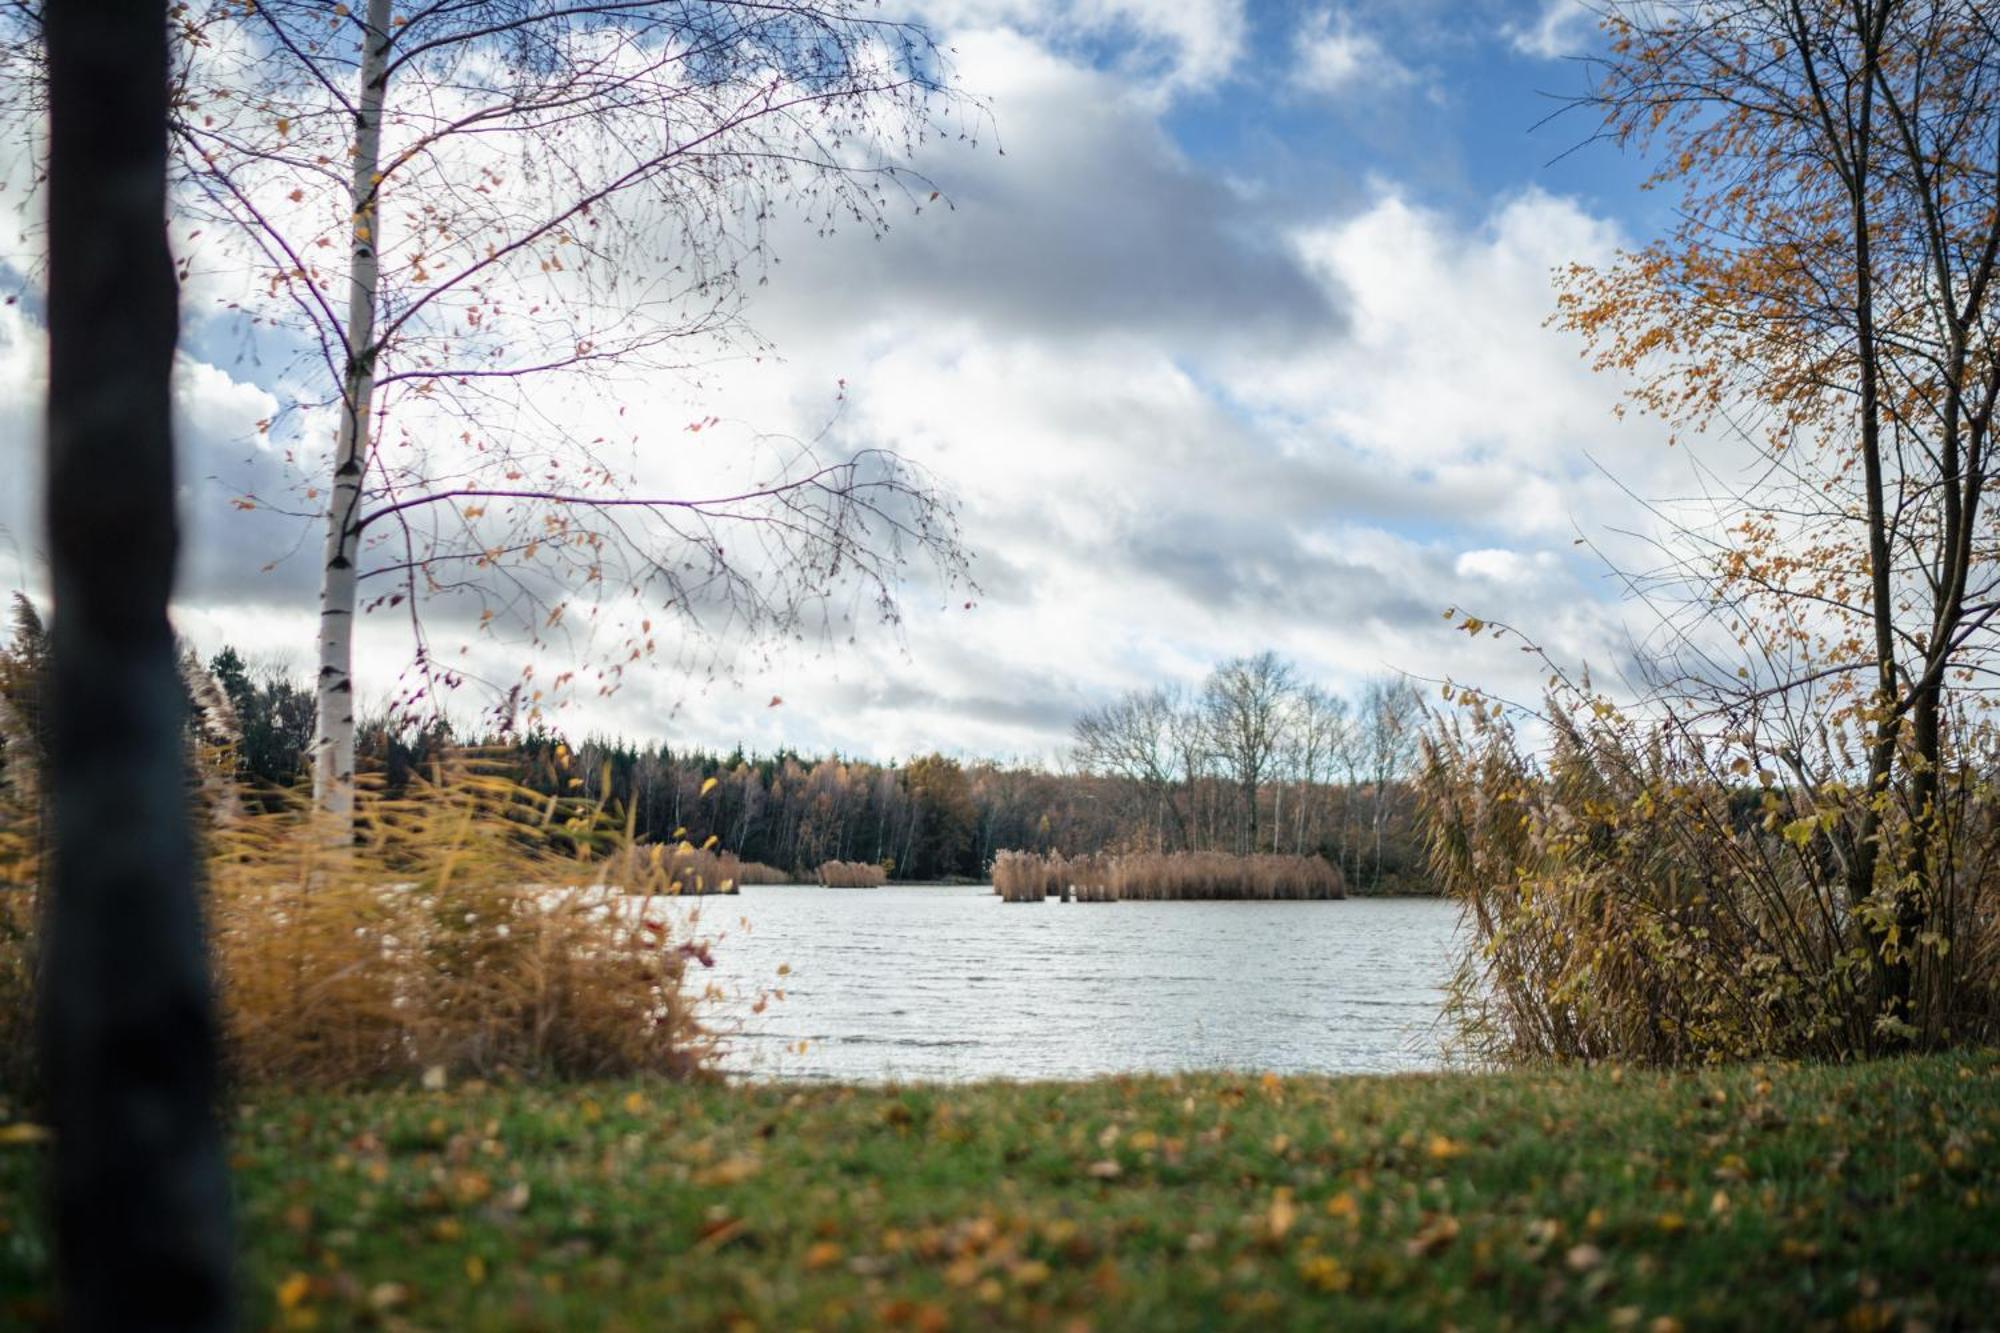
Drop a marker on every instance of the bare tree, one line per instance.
(1244, 704)
(1133, 738)
(1318, 728)
(454, 207)
(129, 1039)
(1390, 723)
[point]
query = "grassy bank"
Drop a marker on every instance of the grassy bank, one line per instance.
(1859, 1197)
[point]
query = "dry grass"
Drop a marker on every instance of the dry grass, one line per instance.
(852, 875)
(1176, 877)
(464, 930)
(1634, 896)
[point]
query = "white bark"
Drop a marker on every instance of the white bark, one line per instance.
(333, 748)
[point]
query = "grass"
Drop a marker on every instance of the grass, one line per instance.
(1864, 1196)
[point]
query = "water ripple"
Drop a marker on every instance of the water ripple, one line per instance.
(924, 982)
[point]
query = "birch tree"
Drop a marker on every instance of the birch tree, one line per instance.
(445, 209)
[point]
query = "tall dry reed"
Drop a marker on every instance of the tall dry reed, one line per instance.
(852, 875)
(473, 926)
(1638, 892)
(1173, 877)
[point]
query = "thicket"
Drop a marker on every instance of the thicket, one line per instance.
(1642, 893)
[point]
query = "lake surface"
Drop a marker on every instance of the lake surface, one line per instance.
(920, 982)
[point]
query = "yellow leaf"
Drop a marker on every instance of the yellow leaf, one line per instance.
(823, 1255)
(1443, 1149)
(293, 1290)
(22, 1134)
(709, 785)
(1283, 1213)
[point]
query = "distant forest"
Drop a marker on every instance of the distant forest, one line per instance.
(1254, 761)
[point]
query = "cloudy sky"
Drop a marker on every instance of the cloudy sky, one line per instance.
(1233, 338)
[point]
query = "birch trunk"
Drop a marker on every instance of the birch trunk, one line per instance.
(333, 747)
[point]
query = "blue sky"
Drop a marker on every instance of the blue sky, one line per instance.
(1240, 344)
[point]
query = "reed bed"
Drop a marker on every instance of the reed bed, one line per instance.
(1027, 877)
(1172, 877)
(682, 870)
(852, 875)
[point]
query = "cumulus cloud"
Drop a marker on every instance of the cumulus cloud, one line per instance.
(1180, 427)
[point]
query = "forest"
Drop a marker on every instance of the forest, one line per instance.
(1252, 762)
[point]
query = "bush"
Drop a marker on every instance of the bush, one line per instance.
(1641, 893)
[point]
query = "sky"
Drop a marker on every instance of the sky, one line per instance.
(1232, 337)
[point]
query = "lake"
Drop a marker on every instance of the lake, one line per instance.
(925, 982)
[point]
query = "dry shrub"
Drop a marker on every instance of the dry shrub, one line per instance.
(852, 875)
(473, 926)
(1638, 894)
(1172, 877)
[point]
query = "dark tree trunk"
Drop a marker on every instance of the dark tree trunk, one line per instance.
(141, 1192)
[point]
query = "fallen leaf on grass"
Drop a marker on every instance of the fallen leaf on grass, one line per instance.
(1433, 1237)
(23, 1134)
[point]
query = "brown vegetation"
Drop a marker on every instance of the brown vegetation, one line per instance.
(852, 875)
(1636, 895)
(1164, 877)
(471, 928)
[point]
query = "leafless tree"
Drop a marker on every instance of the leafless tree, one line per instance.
(1390, 725)
(1318, 728)
(1243, 705)
(1133, 738)
(481, 222)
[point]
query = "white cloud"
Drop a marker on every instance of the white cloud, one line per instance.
(1179, 430)
(1563, 28)
(1165, 46)
(1333, 55)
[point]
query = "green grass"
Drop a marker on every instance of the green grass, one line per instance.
(1768, 1197)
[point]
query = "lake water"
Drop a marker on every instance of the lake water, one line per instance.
(920, 982)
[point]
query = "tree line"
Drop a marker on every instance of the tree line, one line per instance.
(1253, 760)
